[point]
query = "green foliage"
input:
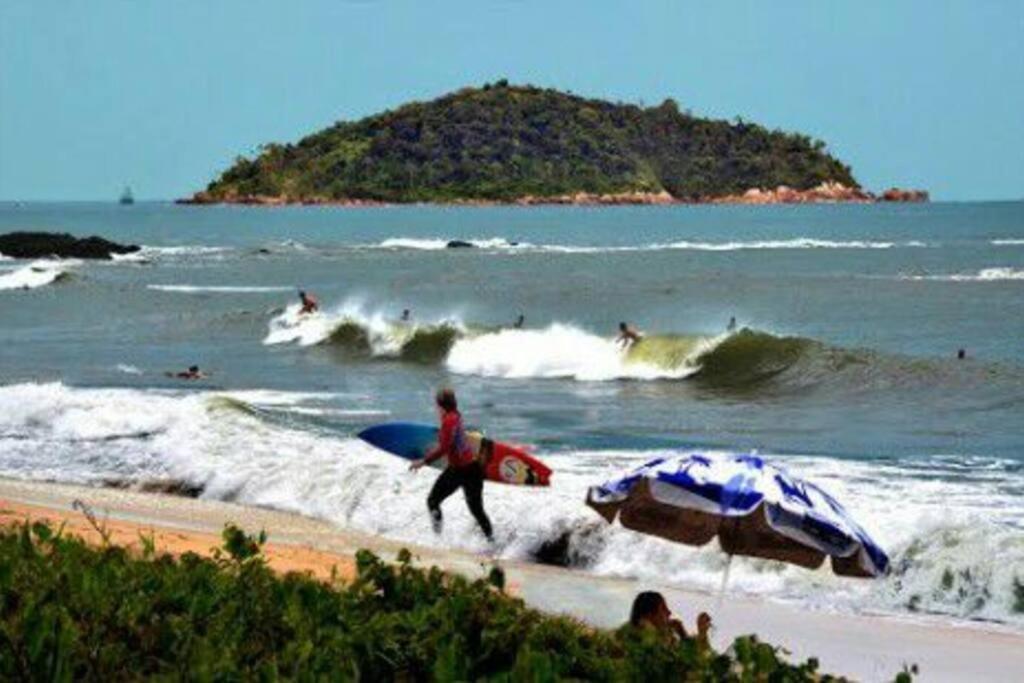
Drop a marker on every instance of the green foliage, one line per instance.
(502, 142)
(72, 612)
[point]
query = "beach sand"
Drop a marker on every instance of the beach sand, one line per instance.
(865, 647)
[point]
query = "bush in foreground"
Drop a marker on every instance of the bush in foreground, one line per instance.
(69, 611)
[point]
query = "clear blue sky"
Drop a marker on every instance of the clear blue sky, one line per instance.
(163, 95)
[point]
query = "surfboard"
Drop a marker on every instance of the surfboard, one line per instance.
(502, 463)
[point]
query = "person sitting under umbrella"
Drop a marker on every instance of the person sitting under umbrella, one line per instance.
(651, 611)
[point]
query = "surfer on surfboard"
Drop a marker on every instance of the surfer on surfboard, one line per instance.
(193, 372)
(628, 335)
(463, 470)
(309, 303)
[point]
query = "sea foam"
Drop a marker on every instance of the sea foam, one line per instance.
(951, 524)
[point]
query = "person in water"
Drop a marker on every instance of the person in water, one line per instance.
(193, 372)
(406, 315)
(518, 324)
(309, 303)
(463, 470)
(650, 610)
(628, 335)
(731, 327)
(961, 354)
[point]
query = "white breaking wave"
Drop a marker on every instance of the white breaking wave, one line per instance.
(435, 244)
(128, 369)
(983, 275)
(501, 244)
(384, 332)
(133, 257)
(559, 350)
(797, 243)
(184, 250)
(952, 526)
(219, 289)
(37, 274)
(1009, 242)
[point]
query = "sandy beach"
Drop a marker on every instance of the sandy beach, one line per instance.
(865, 647)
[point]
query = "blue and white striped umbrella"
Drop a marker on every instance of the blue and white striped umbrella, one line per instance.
(753, 507)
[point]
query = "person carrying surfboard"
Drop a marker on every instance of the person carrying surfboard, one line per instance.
(463, 470)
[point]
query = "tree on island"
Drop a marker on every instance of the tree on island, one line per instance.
(502, 142)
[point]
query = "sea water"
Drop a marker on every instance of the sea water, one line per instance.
(842, 368)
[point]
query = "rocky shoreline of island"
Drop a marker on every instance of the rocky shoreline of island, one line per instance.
(825, 193)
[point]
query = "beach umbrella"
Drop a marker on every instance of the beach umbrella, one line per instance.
(752, 507)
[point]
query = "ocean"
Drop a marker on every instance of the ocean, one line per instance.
(842, 368)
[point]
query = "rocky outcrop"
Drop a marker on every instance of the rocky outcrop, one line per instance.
(60, 245)
(589, 199)
(895, 194)
(576, 199)
(825, 193)
(204, 198)
(822, 194)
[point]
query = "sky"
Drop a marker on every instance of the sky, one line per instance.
(163, 96)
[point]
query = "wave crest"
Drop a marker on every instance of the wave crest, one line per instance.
(501, 244)
(374, 334)
(567, 351)
(998, 274)
(38, 274)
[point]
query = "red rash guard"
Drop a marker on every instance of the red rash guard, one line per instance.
(452, 442)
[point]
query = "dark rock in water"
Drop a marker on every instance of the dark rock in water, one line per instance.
(61, 245)
(263, 250)
(460, 244)
(577, 546)
(173, 487)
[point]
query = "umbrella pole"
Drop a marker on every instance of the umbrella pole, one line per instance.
(725, 581)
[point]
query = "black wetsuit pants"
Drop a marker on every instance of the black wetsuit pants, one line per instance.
(471, 480)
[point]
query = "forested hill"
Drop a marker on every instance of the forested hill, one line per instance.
(504, 143)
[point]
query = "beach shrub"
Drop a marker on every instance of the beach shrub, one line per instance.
(69, 611)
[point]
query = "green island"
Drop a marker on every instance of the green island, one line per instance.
(521, 144)
(71, 611)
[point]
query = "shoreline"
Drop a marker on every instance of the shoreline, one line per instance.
(868, 647)
(825, 193)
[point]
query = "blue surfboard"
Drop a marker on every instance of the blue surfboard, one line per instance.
(409, 440)
(501, 462)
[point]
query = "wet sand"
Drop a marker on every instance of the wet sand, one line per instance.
(865, 647)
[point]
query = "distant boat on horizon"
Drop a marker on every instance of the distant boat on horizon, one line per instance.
(126, 197)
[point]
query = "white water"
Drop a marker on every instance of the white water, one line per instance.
(219, 289)
(37, 274)
(983, 275)
(385, 332)
(559, 350)
(435, 244)
(502, 244)
(952, 526)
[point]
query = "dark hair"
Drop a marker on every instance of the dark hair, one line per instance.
(302, 293)
(644, 606)
(193, 368)
(622, 326)
(446, 399)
